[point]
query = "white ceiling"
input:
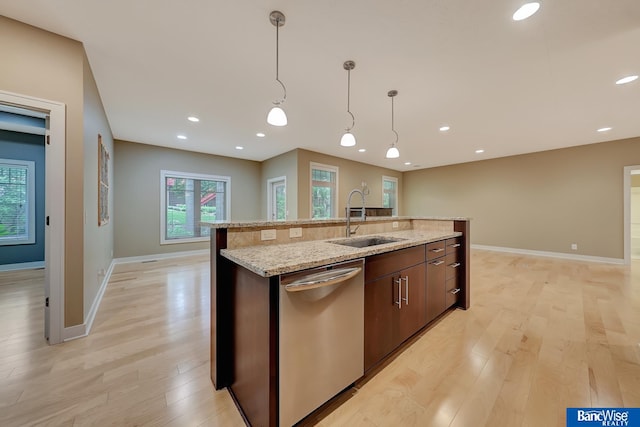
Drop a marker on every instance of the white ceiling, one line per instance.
(504, 86)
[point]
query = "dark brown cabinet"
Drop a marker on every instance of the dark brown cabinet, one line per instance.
(394, 301)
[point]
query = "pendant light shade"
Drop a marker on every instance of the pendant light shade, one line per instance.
(277, 116)
(348, 139)
(393, 152)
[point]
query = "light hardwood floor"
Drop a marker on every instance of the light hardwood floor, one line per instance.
(541, 335)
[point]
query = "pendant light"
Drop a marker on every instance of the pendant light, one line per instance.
(348, 139)
(277, 116)
(392, 152)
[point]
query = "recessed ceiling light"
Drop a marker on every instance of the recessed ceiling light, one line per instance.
(525, 11)
(604, 129)
(193, 119)
(444, 128)
(239, 147)
(407, 163)
(362, 150)
(480, 151)
(627, 79)
(182, 137)
(260, 135)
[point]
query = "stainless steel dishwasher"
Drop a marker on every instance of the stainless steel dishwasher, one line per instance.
(321, 336)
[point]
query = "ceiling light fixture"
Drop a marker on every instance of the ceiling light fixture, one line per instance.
(626, 80)
(525, 11)
(193, 119)
(348, 139)
(182, 137)
(362, 150)
(393, 152)
(239, 147)
(277, 116)
(480, 151)
(604, 129)
(260, 135)
(444, 128)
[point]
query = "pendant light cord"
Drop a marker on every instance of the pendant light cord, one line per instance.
(284, 89)
(353, 119)
(392, 127)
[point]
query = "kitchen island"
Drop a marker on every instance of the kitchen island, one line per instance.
(427, 258)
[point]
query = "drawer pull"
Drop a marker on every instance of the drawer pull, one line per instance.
(454, 265)
(436, 250)
(455, 291)
(439, 262)
(455, 245)
(399, 302)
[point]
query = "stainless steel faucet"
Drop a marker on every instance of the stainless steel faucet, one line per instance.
(362, 216)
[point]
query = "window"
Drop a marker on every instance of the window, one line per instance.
(17, 202)
(324, 191)
(390, 194)
(187, 199)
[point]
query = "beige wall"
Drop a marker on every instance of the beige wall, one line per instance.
(43, 65)
(283, 165)
(98, 240)
(541, 201)
(350, 175)
(137, 193)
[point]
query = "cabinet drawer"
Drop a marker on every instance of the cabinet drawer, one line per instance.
(453, 262)
(453, 245)
(435, 250)
(452, 291)
(390, 262)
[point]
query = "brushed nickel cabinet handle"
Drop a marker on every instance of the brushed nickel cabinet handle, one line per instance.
(455, 245)
(454, 265)
(439, 262)
(455, 291)
(399, 302)
(406, 289)
(436, 250)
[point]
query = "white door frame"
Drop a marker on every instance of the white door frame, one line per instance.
(628, 171)
(270, 187)
(54, 206)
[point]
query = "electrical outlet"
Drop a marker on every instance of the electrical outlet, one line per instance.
(295, 232)
(394, 224)
(574, 246)
(268, 234)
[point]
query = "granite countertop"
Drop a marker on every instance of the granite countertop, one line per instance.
(333, 221)
(273, 260)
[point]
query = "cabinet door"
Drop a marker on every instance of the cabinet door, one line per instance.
(410, 316)
(435, 300)
(379, 308)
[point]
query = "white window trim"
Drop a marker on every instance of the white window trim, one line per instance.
(327, 168)
(31, 202)
(395, 180)
(163, 212)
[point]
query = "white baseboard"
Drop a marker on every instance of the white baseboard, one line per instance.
(82, 330)
(550, 254)
(22, 266)
(155, 257)
(79, 331)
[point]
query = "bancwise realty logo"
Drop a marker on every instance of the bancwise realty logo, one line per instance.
(606, 417)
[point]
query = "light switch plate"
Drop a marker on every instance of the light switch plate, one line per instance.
(295, 232)
(268, 234)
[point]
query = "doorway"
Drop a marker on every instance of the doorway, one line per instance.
(277, 199)
(631, 213)
(55, 117)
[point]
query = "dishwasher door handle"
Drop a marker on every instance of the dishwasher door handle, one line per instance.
(326, 278)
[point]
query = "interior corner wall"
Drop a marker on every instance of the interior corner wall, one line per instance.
(137, 193)
(43, 65)
(541, 201)
(98, 239)
(283, 165)
(351, 175)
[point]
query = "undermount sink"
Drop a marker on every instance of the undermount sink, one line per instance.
(364, 242)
